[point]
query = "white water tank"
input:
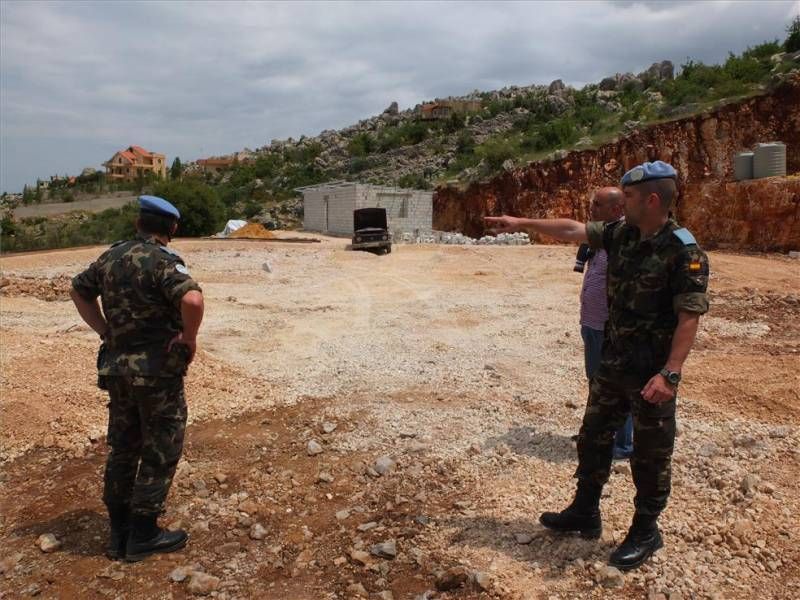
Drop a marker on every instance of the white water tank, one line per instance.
(743, 166)
(769, 160)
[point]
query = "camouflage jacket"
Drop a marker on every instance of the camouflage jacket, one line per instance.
(140, 284)
(649, 282)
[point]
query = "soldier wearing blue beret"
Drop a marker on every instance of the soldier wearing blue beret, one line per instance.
(151, 312)
(153, 205)
(656, 284)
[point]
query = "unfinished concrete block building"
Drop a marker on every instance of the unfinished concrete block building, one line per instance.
(328, 207)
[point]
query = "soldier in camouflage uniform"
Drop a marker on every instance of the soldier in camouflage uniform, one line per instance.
(151, 311)
(657, 280)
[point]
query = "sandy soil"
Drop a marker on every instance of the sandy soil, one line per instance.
(464, 366)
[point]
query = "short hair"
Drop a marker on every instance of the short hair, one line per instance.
(665, 188)
(155, 224)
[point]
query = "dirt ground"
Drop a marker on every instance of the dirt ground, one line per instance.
(463, 365)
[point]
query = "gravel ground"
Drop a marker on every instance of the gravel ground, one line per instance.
(462, 368)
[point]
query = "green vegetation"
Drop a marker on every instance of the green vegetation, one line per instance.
(176, 169)
(359, 164)
(395, 136)
(276, 175)
(27, 195)
(496, 151)
(738, 76)
(540, 130)
(792, 43)
(402, 135)
(557, 133)
(40, 233)
(202, 212)
(415, 181)
(361, 145)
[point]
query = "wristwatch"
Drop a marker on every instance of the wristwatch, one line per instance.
(673, 377)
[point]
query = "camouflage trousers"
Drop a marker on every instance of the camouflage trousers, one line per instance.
(146, 425)
(612, 396)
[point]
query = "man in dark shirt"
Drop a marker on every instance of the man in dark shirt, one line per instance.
(657, 280)
(151, 312)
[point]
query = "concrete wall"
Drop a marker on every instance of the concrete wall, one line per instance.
(406, 210)
(161, 164)
(340, 201)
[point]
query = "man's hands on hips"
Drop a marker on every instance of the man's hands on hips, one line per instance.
(658, 390)
(503, 224)
(189, 343)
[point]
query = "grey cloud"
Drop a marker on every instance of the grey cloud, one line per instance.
(653, 5)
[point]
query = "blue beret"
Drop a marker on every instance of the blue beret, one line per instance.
(158, 206)
(649, 171)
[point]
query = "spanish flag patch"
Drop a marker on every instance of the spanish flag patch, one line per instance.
(695, 266)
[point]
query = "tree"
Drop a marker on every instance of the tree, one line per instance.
(456, 121)
(8, 228)
(139, 185)
(465, 143)
(202, 211)
(792, 43)
(361, 145)
(176, 169)
(27, 194)
(7, 225)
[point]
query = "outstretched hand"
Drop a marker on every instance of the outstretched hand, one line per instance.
(503, 224)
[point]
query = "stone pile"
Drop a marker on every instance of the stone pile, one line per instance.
(459, 239)
(505, 239)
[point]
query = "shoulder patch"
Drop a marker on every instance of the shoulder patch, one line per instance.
(181, 269)
(685, 236)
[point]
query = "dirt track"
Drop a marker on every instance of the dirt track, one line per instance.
(461, 363)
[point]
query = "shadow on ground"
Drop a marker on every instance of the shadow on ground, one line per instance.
(539, 545)
(81, 532)
(545, 445)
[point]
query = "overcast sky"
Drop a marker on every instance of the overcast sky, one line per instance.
(81, 80)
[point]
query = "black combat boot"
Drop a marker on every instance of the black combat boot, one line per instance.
(642, 541)
(119, 517)
(147, 538)
(582, 516)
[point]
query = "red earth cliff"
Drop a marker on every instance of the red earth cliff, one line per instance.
(761, 214)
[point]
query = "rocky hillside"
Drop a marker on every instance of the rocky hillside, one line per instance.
(461, 140)
(761, 214)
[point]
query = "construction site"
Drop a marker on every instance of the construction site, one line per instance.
(391, 427)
